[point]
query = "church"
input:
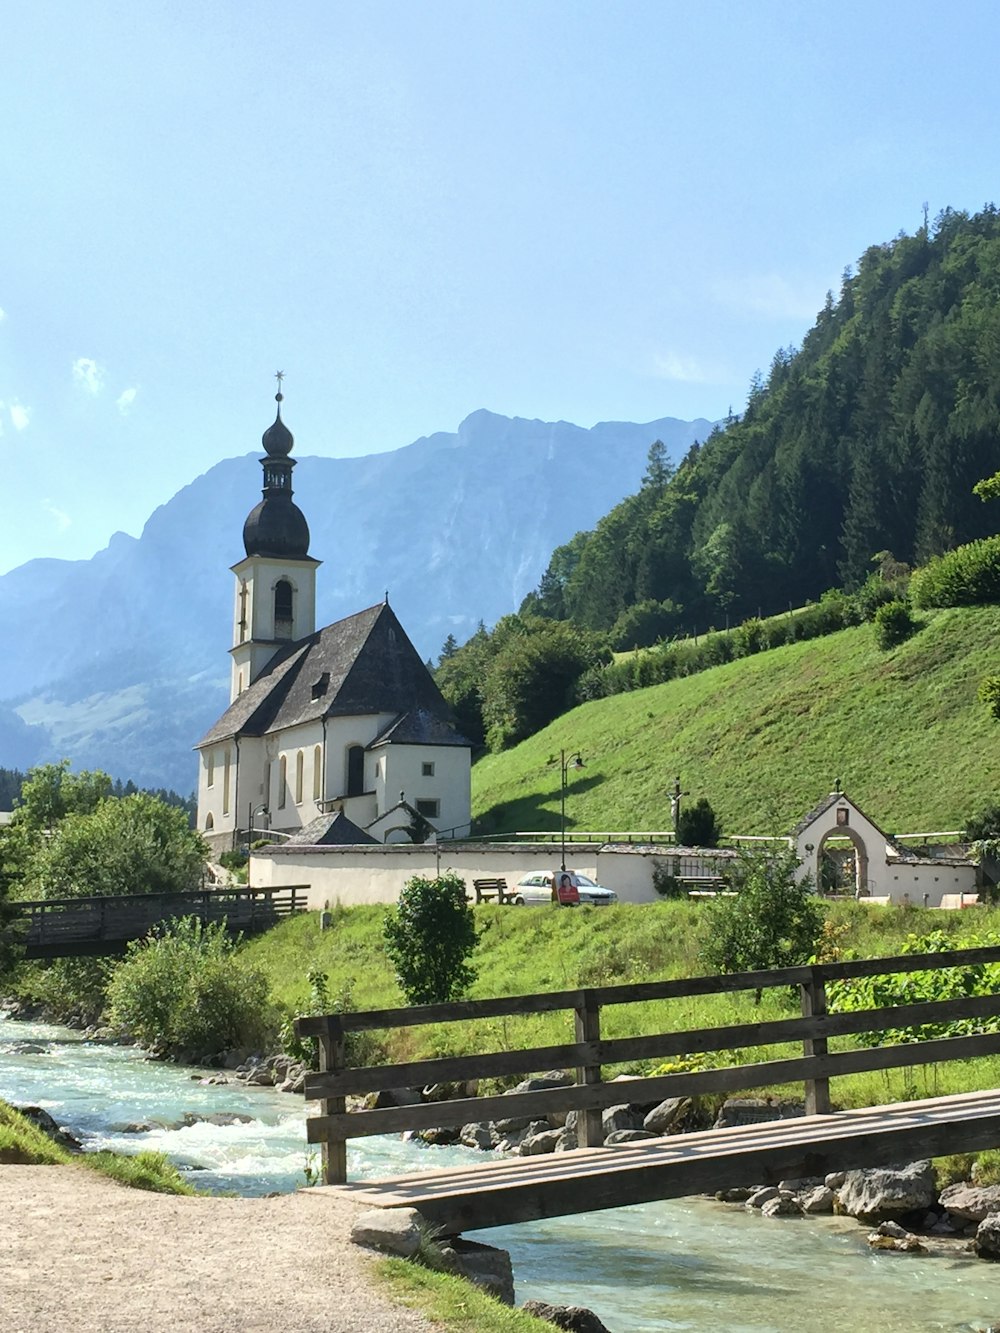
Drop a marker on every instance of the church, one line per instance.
(332, 736)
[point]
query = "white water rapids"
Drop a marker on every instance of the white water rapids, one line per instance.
(688, 1264)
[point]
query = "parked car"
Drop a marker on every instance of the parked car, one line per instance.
(546, 886)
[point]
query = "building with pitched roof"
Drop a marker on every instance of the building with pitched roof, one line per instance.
(344, 720)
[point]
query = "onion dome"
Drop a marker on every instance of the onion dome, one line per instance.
(276, 526)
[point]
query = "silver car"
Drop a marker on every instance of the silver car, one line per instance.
(537, 889)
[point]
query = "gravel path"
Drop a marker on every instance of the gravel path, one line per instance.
(81, 1254)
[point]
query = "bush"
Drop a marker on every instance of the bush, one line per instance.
(187, 993)
(360, 1048)
(967, 576)
(773, 921)
(893, 624)
(429, 938)
(749, 638)
(666, 884)
(698, 825)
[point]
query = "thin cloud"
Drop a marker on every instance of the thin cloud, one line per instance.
(88, 375)
(125, 400)
(62, 519)
(20, 416)
(771, 295)
(684, 369)
(3, 314)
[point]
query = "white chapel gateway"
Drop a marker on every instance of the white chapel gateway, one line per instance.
(341, 731)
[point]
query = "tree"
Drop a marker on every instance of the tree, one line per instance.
(659, 469)
(135, 845)
(448, 649)
(773, 921)
(698, 825)
(429, 938)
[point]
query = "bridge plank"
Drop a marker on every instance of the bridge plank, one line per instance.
(523, 1189)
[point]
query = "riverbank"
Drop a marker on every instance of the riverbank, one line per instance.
(85, 1255)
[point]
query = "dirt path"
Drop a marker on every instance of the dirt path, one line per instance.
(79, 1254)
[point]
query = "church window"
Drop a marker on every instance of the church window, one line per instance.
(210, 769)
(317, 772)
(266, 789)
(239, 686)
(225, 784)
(355, 770)
(427, 770)
(283, 609)
(431, 809)
(282, 781)
(300, 764)
(209, 822)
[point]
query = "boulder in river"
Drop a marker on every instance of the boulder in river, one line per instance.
(971, 1202)
(876, 1194)
(988, 1237)
(572, 1318)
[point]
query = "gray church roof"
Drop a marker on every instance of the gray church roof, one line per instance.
(334, 830)
(419, 727)
(360, 665)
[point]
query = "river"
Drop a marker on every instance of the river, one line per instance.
(687, 1264)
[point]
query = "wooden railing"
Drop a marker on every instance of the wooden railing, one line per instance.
(334, 1126)
(57, 927)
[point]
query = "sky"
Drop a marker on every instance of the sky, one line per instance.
(560, 209)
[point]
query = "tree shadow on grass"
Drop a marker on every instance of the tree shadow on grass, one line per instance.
(528, 813)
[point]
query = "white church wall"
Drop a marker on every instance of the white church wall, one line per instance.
(435, 780)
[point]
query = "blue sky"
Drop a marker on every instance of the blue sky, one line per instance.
(586, 211)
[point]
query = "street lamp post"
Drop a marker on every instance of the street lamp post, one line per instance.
(575, 762)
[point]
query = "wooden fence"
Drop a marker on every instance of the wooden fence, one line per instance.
(589, 1053)
(61, 927)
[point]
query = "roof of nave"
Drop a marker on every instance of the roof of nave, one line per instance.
(357, 666)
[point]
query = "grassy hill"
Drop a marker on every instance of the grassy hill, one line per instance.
(765, 737)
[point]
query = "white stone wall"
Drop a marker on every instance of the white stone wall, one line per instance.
(376, 874)
(449, 784)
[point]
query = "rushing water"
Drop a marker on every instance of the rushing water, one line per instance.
(686, 1264)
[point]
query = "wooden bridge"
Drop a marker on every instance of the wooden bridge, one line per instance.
(516, 1189)
(74, 927)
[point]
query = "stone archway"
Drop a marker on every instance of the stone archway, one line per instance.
(860, 856)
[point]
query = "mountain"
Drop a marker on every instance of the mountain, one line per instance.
(120, 662)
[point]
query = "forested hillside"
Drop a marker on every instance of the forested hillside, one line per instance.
(867, 439)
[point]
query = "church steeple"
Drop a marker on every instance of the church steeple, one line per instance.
(276, 582)
(277, 526)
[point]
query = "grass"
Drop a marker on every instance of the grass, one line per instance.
(526, 951)
(23, 1143)
(765, 737)
(453, 1303)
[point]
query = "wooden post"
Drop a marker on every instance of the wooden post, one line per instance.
(814, 1006)
(331, 1060)
(589, 1131)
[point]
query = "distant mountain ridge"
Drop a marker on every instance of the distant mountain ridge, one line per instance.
(120, 662)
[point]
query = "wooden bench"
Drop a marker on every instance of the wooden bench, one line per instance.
(488, 889)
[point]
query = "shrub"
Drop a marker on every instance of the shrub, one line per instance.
(429, 938)
(187, 992)
(967, 576)
(773, 921)
(360, 1048)
(749, 638)
(989, 694)
(893, 624)
(666, 884)
(698, 825)
(872, 594)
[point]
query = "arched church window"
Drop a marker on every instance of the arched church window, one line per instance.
(225, 784)
(210, 769)
(282, 781)
(355, 770)
(283, 609)
(209, 822)
(317, 772)
(300, 764)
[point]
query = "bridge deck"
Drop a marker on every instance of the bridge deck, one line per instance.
(521, 1189)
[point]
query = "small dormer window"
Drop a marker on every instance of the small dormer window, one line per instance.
(320, 686)
(283, 609)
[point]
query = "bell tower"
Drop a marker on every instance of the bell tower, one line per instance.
(276, 581)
